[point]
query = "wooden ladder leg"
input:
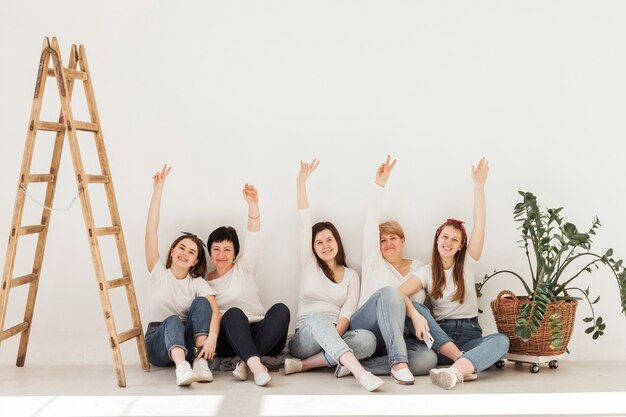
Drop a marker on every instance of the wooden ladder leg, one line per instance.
(114, 211)
(45, 219)
(16, 230)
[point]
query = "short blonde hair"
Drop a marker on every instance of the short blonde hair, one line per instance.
(391, 227)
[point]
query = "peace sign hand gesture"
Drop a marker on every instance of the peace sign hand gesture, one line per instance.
(384, 171)
(159, 178)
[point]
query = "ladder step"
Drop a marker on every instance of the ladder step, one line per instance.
(119, 282)
(128, 334)
(29, 230)
(12, 331)
(96, 179)
(41, 178)
(86, 126)
(104, 231)
(24, 279)
(70, 73)
(50, 126)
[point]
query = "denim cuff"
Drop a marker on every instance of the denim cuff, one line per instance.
(169, 352)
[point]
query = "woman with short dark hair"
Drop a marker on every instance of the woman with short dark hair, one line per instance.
(247, 329)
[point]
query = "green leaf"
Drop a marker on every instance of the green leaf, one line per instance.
(588, 319)
(590, 329)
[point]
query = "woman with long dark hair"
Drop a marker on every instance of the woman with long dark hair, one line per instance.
(329, 292)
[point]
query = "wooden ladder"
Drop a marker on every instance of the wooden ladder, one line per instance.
(78, 69)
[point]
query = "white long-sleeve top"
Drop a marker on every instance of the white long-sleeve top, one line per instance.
(376, 272)
(318, 294)
(238, 287)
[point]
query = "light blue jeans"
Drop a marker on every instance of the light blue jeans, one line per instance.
(467, 334)
(383, 314)
(420, 359)
(318, 334)
(162, 337)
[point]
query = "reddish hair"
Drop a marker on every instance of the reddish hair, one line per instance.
(439, 276)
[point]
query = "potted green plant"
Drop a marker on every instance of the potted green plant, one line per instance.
(557, 255)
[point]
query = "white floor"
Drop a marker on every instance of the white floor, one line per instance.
(575, 388)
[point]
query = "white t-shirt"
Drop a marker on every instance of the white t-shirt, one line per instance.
(318, 294)
(445, 308)
(376, 272)
(237, 287)
(168, 295)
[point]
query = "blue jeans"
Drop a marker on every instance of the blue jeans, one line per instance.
(383, 314)
(318, 333)
(172, 332)
(481, 351)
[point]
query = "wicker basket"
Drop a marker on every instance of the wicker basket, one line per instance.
(506, 308)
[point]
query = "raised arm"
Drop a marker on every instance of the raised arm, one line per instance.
(305, 171)
(305, 253)
(251, 195)
(371, 234)
(477, 236)
(154, 213)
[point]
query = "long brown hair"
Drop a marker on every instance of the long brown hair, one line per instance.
(340, 258)
(199, 269)
(439, 276)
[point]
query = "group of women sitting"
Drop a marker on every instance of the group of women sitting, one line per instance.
(376, 325)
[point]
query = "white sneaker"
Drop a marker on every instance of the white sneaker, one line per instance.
(445, 378)
(241, 371)
(341, 371)
(370, 381)
(202, 370)
(292, 366)
(403, 376)
(262, 378)
(184, 375)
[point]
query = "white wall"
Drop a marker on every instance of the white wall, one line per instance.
(229, 92)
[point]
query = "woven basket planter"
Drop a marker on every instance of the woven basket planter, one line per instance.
(506, 309)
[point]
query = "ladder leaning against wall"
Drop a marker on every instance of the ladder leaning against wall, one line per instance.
(77, 69)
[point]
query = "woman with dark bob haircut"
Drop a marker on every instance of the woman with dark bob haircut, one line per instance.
(182, 309)
(329, 292)
(247, 330)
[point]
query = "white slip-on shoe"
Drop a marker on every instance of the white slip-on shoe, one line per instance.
(341, 371)
(403, 376)
(241, 371)
(262, 378)
(445, 378)
(184, 374)
(202, 370)
(292, 366)
(370, 382)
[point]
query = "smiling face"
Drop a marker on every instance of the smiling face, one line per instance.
(184, 254)
(325, 245)
(391, 246)
(449, 242)
(223, 254)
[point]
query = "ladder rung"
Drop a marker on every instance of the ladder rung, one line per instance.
(86, 126)
(127, 335)
(70, 73)
(103, 231)
(29, 230)
(12, 331)
(41, 178)
(50, 126)
(24, 279)
(102, 179)
(119, 282)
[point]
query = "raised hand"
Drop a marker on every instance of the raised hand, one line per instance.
(158, 179)
(250, 194)
(384, 171)
(480, 173)
(306, 169)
